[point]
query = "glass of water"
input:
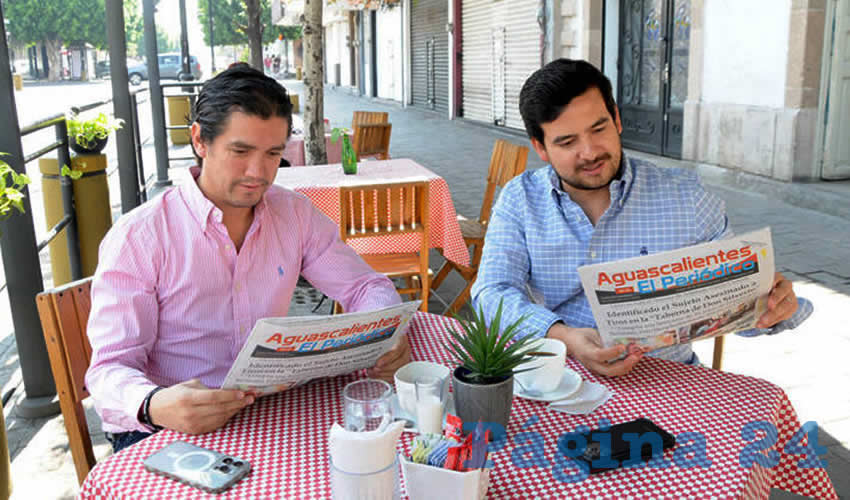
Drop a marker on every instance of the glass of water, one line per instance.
(366, 403)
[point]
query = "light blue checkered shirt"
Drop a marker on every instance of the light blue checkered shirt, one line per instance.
(537, 238)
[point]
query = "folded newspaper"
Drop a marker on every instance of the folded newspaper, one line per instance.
(674, 297)
(282, 352)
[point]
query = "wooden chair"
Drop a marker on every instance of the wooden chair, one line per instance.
(390, 209)
(507, 161)
(372, 140)
(369, 118)
(64, 314)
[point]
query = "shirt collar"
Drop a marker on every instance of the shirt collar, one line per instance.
(619, 187)
(204, 210)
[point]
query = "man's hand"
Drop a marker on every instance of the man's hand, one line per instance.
(584, 345)
(391, 361)
(781, 303)
(193, 408)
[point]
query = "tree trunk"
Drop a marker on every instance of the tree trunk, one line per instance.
(54, 59)
(314, 84)
(255, 33)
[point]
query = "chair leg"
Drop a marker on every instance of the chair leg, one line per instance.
(423, 283)
(461, 299)
(444, 271)
(717, 362)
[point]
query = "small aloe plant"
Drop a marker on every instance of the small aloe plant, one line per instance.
(484, 353)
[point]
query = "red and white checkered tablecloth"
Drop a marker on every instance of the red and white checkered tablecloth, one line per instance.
(285, 438)
(321, 184)
(294, 152)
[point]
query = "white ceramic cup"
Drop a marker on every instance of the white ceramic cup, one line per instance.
(548, 370)
(406, 377)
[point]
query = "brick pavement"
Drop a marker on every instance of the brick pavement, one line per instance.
(811, 247)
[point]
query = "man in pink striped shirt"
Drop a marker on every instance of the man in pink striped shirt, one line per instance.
(183, 278)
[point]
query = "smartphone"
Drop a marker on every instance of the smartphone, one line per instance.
(204, 469)
(607, 449)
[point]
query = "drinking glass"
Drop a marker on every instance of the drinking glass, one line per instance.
(366, 403)
(430, 403)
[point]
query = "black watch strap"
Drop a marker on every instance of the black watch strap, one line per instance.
(146, 410)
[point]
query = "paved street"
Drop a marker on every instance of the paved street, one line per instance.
(811, 247)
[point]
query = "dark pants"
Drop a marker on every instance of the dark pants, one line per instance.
(122, 440)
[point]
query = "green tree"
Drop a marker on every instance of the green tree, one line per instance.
(55, 23)
(232, 26)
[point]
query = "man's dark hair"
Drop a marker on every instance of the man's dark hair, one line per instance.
(239, 88)
(550, 89)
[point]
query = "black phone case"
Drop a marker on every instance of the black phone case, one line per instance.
(620, 449)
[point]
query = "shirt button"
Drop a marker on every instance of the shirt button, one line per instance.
(238, 288)
(592, 254)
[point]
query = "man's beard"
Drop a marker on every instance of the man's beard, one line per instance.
(576, 184)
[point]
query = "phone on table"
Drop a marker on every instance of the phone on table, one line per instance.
(201, 468)
(609, 447)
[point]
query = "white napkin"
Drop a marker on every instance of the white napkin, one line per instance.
(588, 398)
(362, 462)
(364, 452)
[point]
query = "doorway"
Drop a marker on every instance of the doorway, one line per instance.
(652, 83)
(836, 153)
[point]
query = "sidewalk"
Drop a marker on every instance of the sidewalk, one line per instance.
(811, 248)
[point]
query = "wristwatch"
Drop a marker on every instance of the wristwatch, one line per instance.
(145, 410)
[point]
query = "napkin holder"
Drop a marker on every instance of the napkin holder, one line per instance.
(426, 481)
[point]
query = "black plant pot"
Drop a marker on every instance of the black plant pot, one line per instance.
(93, 149)
(489, 402)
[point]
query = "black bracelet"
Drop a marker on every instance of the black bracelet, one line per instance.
(146, 410)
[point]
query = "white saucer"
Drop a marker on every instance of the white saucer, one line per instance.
(570, 383)
(398, 412)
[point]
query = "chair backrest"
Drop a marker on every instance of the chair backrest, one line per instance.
(369, 118)
(372, 140)
(507, 161)
(381, 209)
(64, 314)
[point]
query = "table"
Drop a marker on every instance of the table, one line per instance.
(321, 184)
(294, 152)
(285, 437)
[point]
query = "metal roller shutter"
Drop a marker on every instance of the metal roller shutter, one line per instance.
(501, 48)
(476, 70)
(430, 59)
(522, 55)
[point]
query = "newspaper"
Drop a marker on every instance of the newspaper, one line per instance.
(683, 295)
(283, 352)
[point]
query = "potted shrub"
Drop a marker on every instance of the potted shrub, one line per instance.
(483, 382)
(11, 184)
(87, 137)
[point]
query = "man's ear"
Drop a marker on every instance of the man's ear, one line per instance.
(541, 150)
(197, 142)
(617, 120)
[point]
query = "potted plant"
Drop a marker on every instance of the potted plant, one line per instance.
(483, 382)
(87, 137)
(349, 156)
(11, 184)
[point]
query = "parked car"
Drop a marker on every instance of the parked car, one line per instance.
(169, 68)
(101, 69)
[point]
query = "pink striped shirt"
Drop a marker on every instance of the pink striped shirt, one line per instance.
(172, 300)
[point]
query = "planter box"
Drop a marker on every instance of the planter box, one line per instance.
(427, 482)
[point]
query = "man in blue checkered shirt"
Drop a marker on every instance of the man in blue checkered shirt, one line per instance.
(592, 204)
